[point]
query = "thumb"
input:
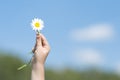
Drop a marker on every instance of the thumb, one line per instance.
(38, 40)
(38, 43)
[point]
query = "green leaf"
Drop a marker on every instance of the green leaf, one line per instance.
(23, 66)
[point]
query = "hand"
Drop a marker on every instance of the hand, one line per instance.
(41, 49)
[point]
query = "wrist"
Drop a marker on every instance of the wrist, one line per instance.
(37, 61)
(37, 64)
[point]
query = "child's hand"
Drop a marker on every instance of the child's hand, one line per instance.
(40, 50)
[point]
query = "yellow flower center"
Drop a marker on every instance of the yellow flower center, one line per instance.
(37, 24)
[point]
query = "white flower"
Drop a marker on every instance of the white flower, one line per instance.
(37, 24)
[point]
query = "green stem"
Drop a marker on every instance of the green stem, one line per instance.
(38, 32)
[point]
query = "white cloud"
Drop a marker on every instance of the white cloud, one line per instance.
(98, 32)
(89, 57)
(117, 68)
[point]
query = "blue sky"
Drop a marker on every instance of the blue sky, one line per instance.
(80, 32)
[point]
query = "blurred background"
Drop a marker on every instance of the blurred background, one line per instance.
(83, 34)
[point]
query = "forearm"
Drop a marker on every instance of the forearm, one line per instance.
(37, 71)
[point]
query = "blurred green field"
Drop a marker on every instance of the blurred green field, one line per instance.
(9, 65)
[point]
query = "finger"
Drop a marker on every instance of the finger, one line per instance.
(33, 49)
(38, 40)
(44, 41)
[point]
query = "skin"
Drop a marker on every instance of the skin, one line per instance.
(41, 51)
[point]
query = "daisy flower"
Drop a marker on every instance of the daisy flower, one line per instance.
(37, 24)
